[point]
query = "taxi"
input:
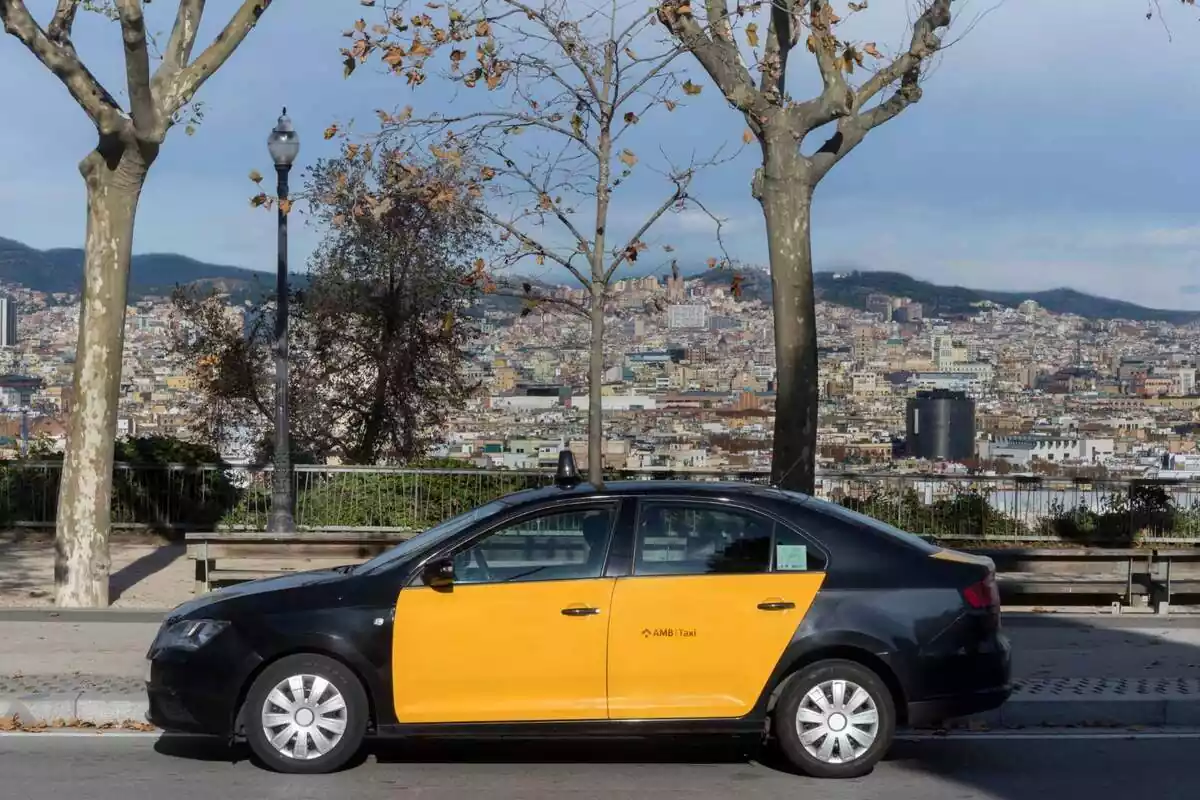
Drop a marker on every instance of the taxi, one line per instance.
(640, 608)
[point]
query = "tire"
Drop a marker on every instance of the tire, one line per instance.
(850, 751)
(303, 723)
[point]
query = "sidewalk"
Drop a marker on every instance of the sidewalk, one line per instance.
(1071, 670)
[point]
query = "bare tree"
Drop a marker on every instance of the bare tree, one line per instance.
(785, 182)
(566, 81)
(128, 141)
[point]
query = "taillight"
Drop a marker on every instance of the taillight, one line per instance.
(983, 595)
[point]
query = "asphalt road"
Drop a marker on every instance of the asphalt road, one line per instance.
(107, 767)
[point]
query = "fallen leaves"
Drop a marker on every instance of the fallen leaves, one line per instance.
(13, 722)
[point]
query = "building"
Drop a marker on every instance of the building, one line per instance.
(880, 304)
(863, 345)
(17, 391)
(8, 322)
(941, 426)
(687, 316)
(943, 351)
(1025, 449)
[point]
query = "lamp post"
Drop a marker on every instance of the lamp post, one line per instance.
(284, 146)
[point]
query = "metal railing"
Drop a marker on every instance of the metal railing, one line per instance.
(177, 497)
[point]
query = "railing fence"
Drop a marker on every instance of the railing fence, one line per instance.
(178, 497)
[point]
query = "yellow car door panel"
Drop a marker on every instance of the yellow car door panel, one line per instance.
(506, 652)
(701, 645)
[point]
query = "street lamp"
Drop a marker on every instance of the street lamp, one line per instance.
(284, 145)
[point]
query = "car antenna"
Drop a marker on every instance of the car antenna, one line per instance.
(567, 474)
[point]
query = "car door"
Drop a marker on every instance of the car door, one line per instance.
(715, 595)
(521, 632)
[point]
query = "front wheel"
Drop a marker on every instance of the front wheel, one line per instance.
(306, 714)
(836, 719)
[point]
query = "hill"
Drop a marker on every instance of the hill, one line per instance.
(851, 289)
(151, 274)
(157, 274)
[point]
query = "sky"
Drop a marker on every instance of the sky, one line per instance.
(1055, 145)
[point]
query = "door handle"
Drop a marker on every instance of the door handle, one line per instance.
(580, 611)
(776, 605)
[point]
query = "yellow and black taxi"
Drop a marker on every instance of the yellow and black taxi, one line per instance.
(634, 609)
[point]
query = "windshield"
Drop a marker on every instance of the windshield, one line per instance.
(862, 520)
(432, 537)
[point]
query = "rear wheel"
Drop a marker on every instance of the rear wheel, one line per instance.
(306, 714)
(835, 719)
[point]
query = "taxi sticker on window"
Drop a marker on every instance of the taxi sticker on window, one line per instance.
(791, 557)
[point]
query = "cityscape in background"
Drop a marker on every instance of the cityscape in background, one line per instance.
(689, 385)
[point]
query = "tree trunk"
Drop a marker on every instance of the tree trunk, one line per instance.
(783, 187)
(114, 174)
(595, 383)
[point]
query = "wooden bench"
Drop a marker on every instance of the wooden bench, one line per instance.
(1035, 560)
(347, 547)
(1162, 580)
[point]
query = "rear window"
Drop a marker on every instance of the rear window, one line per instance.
(840, 512)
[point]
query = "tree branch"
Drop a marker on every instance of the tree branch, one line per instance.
(189, 80)
(906, 68)
(563, 44)
(511, 118)
(59, 29)
(137, 69)
(649, 76)
(679, 194)
(61, 59)
(719, 56)
(923, 44)
(783, 32)
(836, 98)
(532, 243)
(183, 39)
(511, 167)
(853, 129)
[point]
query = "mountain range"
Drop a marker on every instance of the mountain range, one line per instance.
(157, 274)
(850, 288)
(151, 274)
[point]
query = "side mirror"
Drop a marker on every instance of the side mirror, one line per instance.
(439, 574)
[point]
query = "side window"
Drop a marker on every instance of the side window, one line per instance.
(560, 546)
(678, 539)
(793, 553)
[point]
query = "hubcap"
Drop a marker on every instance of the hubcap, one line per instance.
(837, 721)
(304, 717)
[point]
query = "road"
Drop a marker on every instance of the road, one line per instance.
(1066, 767)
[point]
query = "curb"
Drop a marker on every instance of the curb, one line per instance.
(75, 708)
(1095, 713)
(155, 615)
(107, 709)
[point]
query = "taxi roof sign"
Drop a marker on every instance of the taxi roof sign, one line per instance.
(567, 474)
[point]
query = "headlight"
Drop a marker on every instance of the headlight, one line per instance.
(190, 634)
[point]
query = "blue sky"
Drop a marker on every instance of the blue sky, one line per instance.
(1055, 145)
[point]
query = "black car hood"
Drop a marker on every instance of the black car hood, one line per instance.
(238, 591)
